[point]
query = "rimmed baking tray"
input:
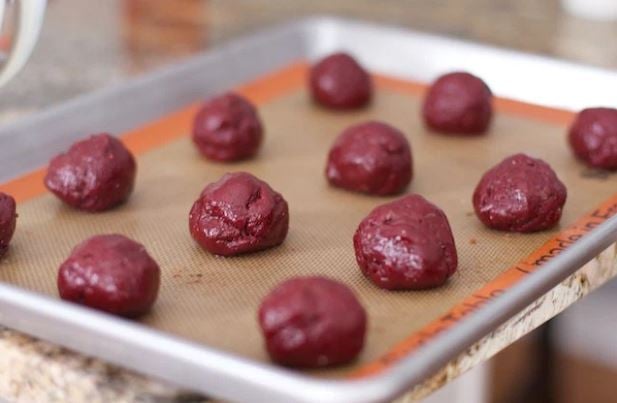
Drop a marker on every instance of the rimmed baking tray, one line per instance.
(154, 114)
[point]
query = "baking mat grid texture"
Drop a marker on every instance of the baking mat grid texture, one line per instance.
(213, 300)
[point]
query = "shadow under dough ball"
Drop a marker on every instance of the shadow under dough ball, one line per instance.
(340, 82)
(239, 214)
(520, 194)
(312, 322)
(8, 221)
(372, 157)
(593, 137)
(458, 103)
(406, 244)
(95, 174)
(227, 128)
(111, 273)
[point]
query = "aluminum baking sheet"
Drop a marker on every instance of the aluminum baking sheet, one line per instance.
(391, 53)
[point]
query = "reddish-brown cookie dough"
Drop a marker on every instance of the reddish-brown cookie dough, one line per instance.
(8, 220)
(339, 82)
(95, 174)
(593, 137)
(372, 158)
(238, 214)
(111, 273)
(406, 244)
(227, 128)
(520, 194)
(312, 322)
(458, 103)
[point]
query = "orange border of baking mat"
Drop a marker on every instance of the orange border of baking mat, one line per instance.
(281, 82)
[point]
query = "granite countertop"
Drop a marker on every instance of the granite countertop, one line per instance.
(87, 45)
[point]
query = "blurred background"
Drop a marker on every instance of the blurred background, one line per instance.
(87, 44)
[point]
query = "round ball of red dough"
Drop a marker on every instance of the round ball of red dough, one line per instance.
(406, 244)
(111, 273)
(227, 128)
(372, 158)
(458, 103)
(8, 220)
(339, 82)
(312, 322)
(520, 194)
(238, 214)
(593, 137)
(95, 174)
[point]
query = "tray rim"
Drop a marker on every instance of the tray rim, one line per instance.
(226, 375)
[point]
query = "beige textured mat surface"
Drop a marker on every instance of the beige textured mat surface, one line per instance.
(213, 300)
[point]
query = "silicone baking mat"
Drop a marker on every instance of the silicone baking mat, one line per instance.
(213, 300)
